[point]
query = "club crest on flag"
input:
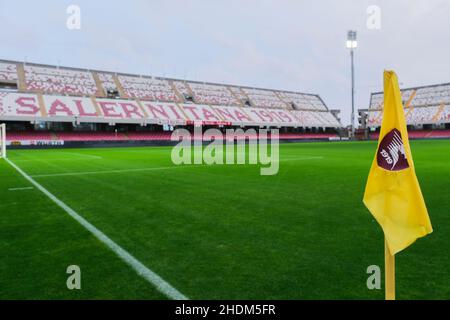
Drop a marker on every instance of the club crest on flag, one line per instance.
(391, 152)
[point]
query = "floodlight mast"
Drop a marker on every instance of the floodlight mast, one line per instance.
(352, 44)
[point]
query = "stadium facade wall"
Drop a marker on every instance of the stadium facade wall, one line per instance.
(15, 106)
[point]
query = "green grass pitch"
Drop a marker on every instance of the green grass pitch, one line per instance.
(214, 232)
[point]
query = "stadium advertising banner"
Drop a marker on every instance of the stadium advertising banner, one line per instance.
(30, 107)
(270, 116)
(19, 105)
(284, 116)
(234, 115)
(160, 112)
(35, 143)
(120, 109)
(199, 113)
(69, 106)
(303, 117)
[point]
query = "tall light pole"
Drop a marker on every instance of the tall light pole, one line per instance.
(352, 44)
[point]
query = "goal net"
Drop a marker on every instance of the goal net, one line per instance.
(2, 140)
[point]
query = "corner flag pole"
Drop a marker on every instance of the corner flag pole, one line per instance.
(389, 264)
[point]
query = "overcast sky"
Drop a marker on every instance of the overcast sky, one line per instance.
(293, 45)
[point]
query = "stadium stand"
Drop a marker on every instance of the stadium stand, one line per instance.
(63, 97)
(240, 95)
(107, 81)
(57, 80)
(265, 98)
(427, 112)
(427, 105)
(183, 88)
(89, 136)
(145, 88)
(303, 101)
(213, 94)
(316, 119)
(146, 136)
(8, 72)
(29, 135)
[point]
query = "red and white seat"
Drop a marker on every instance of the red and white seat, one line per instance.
(141, 136)
(8, 72)
(238, 93)
(147, 88)
(420, 134)
(28, 135)
(90, 136)
(58, 80)
(212, 94)
(303, 101)
(423, 105)
(107, 80)
(182, 87)
(149, 136)
(316, 119)
(265, 98)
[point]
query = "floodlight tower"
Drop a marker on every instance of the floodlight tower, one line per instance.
(352, 44)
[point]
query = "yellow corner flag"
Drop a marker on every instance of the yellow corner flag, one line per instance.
(392, 192)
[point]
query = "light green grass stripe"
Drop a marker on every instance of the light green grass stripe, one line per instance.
(162, 285)
(20, 188)
(103, 171)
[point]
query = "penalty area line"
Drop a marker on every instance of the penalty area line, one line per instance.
(149, 275)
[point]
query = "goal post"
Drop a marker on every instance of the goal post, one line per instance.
(2, 140)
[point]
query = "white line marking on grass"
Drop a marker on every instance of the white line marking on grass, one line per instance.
(22, 188)
(83, 155)
(300, 158)
(55, 159)
(80, 173)
(105, 171)
(162, 285)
